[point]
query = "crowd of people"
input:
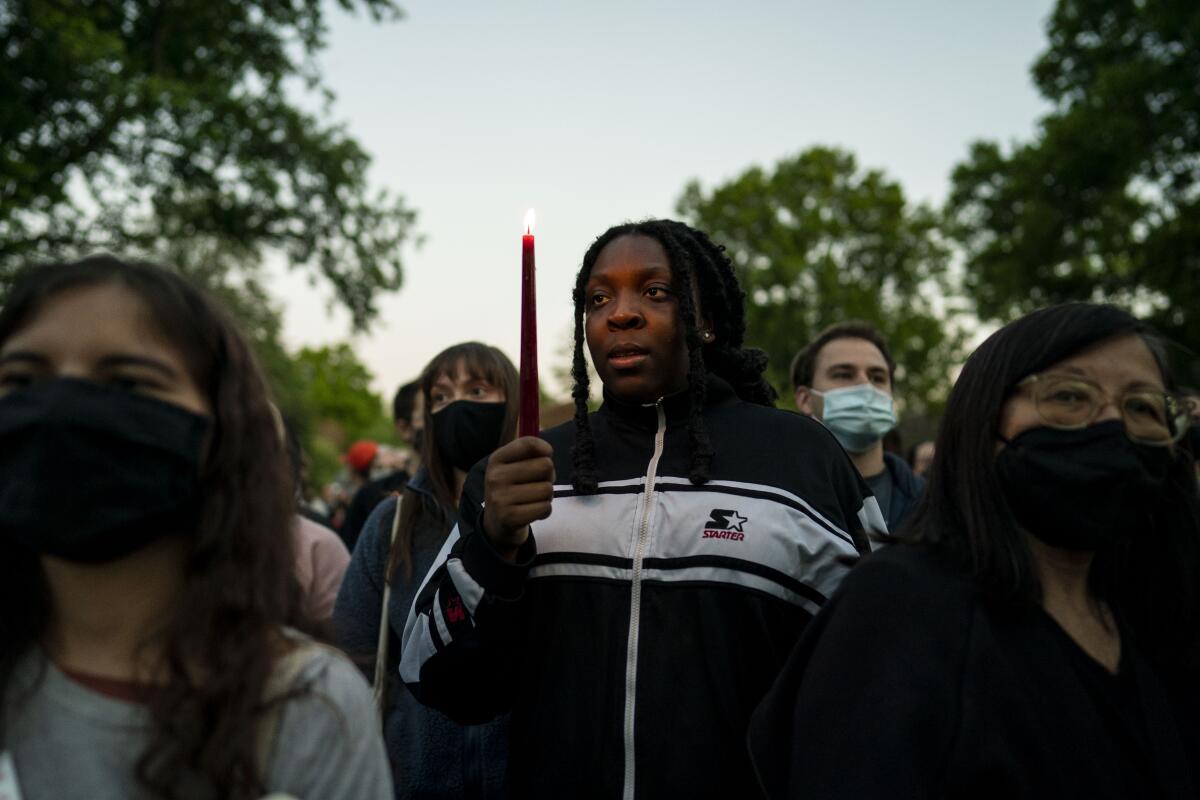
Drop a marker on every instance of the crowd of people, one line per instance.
(688, 592)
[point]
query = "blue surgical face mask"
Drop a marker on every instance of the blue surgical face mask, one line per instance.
(858, 416)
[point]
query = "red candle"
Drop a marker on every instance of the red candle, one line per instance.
(528, 425)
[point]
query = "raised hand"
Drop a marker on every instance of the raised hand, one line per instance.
(518, 488)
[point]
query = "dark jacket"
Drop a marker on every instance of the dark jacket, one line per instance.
(633, 640)
(431, 756)
(909, 685)
(368, 496)
(906, 489)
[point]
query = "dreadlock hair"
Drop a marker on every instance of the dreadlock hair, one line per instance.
(695, 259)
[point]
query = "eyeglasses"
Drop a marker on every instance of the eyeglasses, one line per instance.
(1069, 403)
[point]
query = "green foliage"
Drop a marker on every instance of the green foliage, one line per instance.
(333, 388)
(336, 388)
(335, 407)
(815, 241)
(141, 127)
(237, 285)
(173, 132)
(1104, 202)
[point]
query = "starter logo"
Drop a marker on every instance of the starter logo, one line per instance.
(725, 524)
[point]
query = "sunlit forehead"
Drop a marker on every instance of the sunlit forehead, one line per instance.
(629, 272)
(633, 251)
(850, 354)
(98, 325)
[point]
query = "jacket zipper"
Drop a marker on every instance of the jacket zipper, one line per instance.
(636, 599)
(472, 762)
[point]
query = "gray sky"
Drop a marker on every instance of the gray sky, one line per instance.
(600, 112)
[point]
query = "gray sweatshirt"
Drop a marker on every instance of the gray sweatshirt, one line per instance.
(71, 743)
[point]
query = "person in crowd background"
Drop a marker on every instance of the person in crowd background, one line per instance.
(312, 508)
(845, 378)
(373, 492)
(333, 502)
(408, 418)
(359, 461)
(1040, 634)
(920, 458)
(321, 562)
(695, 530)
(470, 402)
(321, 558)
(150, 620)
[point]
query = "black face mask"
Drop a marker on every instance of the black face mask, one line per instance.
(1191, 440)
(1081, 489)
(466, 431)
(92, 473)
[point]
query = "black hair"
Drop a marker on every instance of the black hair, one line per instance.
(694, 258)
(295, 450)
(804, 365)
(404, 401)
(1151, 582)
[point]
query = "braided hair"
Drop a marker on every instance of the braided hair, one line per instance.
(695, 260)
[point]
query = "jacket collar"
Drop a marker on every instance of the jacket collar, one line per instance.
(903, 478)
(420, 482)
(421, 485)
(677, 406)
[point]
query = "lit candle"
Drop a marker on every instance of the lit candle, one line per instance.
(528, 425)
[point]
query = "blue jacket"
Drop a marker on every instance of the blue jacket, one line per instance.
(906, 489)
(431, 756)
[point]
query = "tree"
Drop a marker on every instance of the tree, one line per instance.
(1104, 203)
(333, 389)
(237, 286)
(337, 388)
(145, 126)
(815, 241)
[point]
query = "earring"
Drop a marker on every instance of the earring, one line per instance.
(707, 337)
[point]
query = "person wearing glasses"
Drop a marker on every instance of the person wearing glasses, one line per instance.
(1038, 637)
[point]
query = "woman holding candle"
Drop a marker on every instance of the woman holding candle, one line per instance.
(470, 407)
(695, 530)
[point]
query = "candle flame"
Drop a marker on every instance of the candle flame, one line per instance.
(529, 222)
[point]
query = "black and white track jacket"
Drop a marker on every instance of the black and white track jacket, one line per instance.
(635, 638)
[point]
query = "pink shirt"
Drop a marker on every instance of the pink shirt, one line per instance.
(321, 561)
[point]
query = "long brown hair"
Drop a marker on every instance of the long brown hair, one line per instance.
(481, 361)
(239, 589)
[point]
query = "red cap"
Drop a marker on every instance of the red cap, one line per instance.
(360, 455)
